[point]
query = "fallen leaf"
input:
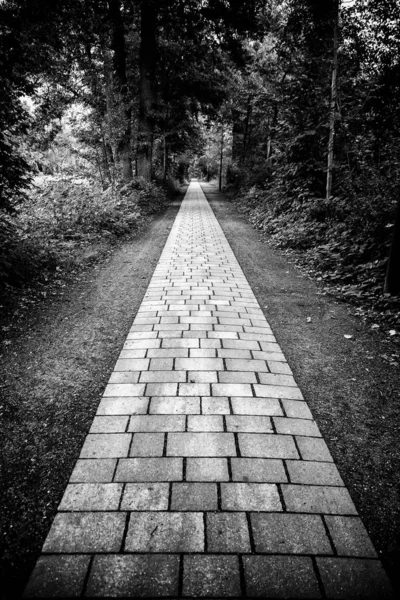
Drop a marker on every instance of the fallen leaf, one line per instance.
(347, 336)
(392, 332)
(308, 319)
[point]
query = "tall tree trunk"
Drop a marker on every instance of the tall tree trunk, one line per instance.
(221, 157)
(147, 67)
(118, 45)
(332, 109)
(392, 279)
(246, 133)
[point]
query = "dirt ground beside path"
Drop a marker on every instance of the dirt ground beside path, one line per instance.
(52, 379)
(353, 393)
(58, 365)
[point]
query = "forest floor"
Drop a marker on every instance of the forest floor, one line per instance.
(59, 355)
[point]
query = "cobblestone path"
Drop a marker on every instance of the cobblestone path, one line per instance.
(204, 473)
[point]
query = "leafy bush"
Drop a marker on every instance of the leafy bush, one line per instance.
(60, 215)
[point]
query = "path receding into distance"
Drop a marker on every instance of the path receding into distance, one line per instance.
(204, 473)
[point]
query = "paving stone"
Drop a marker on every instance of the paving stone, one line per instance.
(131, 354)
(161, 389)
(256, 406)
(354, 578)
(246, 365)
(130, 576)
(241, 344)
(207, 469)
(212, 406)
(205, 423)
(177, 406)
(267, 446)
(210, 343)
(109, 424)
(237, 377)
(91, 496)
(94, 471)
(318, 499)
(278, 391)
(211, 576)
(203, 353)
(250, 497)
(124, 389)
(202, 376)
(254, 424)
(201, 444)
(313, 473)
(350, 537)
(181, 343)
(149, 469)
(227, 532)
(165, 532)
(147, 444)
(260, 470)
(231, 389)
(162, 376)
(58, 577)
(234, 354)
(138, 344)
(148, 423)
(296, 427)
(132, 364)
(124, 377)
(167, 352)
(295, 409)
(79, 532)
(280, 577)
(194, 389)
(145, 496)
(123, 406)
(274, 355)
(313, 449)
(194, 496)
(279, 367)
(106, 445)
(289, 534)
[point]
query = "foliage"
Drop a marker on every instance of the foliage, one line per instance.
(63, 216)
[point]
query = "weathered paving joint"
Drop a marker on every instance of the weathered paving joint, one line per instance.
(204, 473)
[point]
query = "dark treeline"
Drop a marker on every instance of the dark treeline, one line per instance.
(299, 97)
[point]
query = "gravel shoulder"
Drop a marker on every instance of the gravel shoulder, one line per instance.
(353, 392)
(52, 376)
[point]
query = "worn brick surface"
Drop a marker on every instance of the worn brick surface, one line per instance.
(203, 473)
(290, 534)
(211, 576)
(280, 577)
(250, 497)
(165, 532)
(58, 577)
(130, 576)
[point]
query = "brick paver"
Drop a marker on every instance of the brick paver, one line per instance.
(203, 473)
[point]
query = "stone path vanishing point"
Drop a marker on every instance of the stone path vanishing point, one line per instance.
(204, 473)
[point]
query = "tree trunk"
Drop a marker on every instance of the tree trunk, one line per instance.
(332, 109)
(392, 279)
(246, 133)
(221, 156)
(118, 45)
(147, 67)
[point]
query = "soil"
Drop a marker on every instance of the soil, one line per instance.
(60, 358)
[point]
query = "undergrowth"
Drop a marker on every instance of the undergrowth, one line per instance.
(62, 218)
(343, 246)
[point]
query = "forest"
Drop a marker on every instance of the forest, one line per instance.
(293, 105)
